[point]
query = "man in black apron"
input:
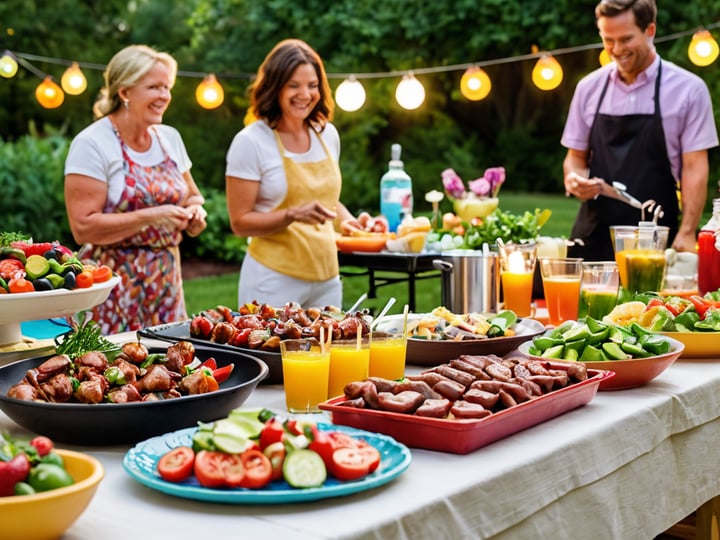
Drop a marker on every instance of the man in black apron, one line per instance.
(631, 147)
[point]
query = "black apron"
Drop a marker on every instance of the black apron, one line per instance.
(629, 149)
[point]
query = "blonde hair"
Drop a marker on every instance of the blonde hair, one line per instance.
(125, 69)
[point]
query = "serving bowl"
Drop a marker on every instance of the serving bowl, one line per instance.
(31, 306)
(47, 515)
(367, 244)
(424, 352)
(125, 423)
(698, 344)
(628, 373)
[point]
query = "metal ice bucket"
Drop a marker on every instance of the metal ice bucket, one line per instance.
(470, 280)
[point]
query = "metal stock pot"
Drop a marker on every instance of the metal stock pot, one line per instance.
(470, 280)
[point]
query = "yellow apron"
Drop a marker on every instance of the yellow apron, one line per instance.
(304, 251)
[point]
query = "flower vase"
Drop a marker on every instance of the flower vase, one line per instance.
(475, 207)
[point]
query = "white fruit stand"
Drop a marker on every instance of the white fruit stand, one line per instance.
(20, 307)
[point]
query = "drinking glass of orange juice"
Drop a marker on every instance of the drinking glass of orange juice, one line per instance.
(387, 355)
(517, 271)
(306, 371)
(561, 282)
(349, 361)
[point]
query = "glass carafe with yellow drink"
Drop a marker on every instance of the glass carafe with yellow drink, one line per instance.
(640, 255)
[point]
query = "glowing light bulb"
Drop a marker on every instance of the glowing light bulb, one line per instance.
(604, 58)
(547, 73)
(73, 81)
(49, 94)
(475, 84)
(209, 93)
(703, 49)
(8, 65)
(350, 95)
(410, 92)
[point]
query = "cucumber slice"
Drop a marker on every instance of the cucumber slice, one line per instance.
(304, 469)
(230, 444)
(36, 266)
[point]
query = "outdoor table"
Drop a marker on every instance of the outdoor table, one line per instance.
(414, 266)
(630, 464)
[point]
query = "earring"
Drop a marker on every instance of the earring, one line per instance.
(126, 103)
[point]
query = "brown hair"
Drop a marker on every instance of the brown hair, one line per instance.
(125, 69)
(645, 11)
(276, 70)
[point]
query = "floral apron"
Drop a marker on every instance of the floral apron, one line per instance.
(150, 292)
(308, 251)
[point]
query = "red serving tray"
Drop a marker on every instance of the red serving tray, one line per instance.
(466, 435)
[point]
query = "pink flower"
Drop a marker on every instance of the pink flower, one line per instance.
(496, 177)
(480, 187)
(453, 184)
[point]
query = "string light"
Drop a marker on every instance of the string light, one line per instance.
(8, 65)
(210, 93)
(73, 81)
(703, 49)
(49, 94)
(547, 73)
(410, 92)
(475, 84)
(604, 58)
(350, 94)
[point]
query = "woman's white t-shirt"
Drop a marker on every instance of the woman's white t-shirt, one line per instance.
(96, 152)
(254, 155)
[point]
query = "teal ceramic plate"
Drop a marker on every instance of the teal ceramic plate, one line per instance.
(140, 462)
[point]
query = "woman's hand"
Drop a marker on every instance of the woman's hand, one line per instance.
(312, 213)
(169, 216)
(197, 222)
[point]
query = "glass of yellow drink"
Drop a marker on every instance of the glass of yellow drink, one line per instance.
(599, 288)
(306, 370)
(387, 355)
(349, 362)
(561, 283)
(640, 256)
(517, 270)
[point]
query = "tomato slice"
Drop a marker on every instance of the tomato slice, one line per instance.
(177, 464)
(101, 273)
(258, 469)
(218, 469)
(210, 363)
(221, 374)
(354, 463)
(84, 279)
(343, 440)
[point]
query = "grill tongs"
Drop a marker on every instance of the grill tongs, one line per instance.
(618, 191)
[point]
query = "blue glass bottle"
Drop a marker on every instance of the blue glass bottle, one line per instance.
(396, 198)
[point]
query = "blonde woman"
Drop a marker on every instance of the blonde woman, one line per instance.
(129, 193)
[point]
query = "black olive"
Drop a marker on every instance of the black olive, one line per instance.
(70, 281)
(42, 284)
(52, 254)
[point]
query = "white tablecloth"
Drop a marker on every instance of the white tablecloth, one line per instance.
(628, 465)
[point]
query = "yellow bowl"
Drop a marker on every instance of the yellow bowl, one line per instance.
(698, 344)
(47, 515)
